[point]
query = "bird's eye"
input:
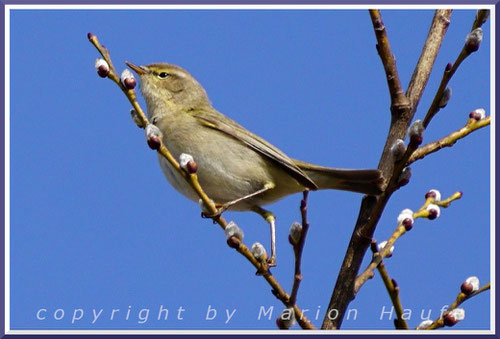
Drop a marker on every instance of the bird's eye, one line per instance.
(163, 75)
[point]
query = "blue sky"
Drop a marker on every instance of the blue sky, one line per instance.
(95, 226)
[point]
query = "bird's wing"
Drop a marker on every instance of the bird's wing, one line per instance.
(221, 123)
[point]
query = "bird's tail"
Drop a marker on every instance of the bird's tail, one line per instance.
(367, 181)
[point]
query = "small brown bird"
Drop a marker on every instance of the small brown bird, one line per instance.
(237, 169)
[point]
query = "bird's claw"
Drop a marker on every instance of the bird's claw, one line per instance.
(221, 208)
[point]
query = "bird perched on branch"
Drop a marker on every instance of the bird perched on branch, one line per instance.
(237, 169)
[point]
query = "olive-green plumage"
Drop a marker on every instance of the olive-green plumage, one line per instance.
(232, 162)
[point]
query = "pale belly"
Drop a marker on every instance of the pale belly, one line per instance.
(227, 170)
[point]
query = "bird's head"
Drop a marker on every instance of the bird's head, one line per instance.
(163, 83)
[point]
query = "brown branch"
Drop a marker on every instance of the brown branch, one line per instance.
(399, 102)
(398, 232)
(298, 249)
(481, 16)
(461, 298)
(449, 140)
(428, 56)
(379, 255)
(372, 207)
(449, 72)
(192, 179)
(393, 290)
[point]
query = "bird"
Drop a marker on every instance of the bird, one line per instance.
(237, 169)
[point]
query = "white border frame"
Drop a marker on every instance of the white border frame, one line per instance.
(8, 8)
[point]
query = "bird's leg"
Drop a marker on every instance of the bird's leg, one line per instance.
(271, 219)
(225, 206)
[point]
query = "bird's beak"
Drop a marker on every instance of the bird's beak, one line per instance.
(140, 70)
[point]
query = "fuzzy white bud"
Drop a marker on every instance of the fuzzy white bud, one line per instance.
(433, 193)
(478, 114)
(102, 67)
(259, 252)
(416, 132)
(398, 149)
(405, 214)
(474, 281)
(445, 98)
(204, 208)
(232, 230)
(127, 79)
(381, 247)
(405, 176)
(473, 40)
(153, 136)
(295, 233)
(286, 319)
(152, 131)
(434, 211)
(184, 159)
(458, 314)
(424, 324)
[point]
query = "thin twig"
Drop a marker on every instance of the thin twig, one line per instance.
(398, 232)
(425, 63)
(447, 75)
(192, 179)
(461, 297)
(393, 290)
(399, 101)
(298, 249)
(449, 140)
(372, 207)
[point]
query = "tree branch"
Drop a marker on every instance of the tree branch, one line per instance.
(449, 140)
(298, 249)
(461, 297)
(192, 179)
(399, 102)
(393, 290)
(398, 232)
(425, 63)
(372, 207)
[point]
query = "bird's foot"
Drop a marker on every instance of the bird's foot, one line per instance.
(221, 208)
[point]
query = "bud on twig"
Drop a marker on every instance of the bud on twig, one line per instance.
(234, 235)
(259, 252)
(381, 247)
(477, 114)
(445, 98)
(204, 209)
(153, 136)
(398, 149)
(434, 211)
(405, 218)
(482, 15)
(405, 176)
(295, 233)
(433, 194)
(470, 285)
(454, 316)
(473, 40)
(101, 67)
(416, 133)
(127, 79)
(286, 319)
(187, 163)
(424, 324)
